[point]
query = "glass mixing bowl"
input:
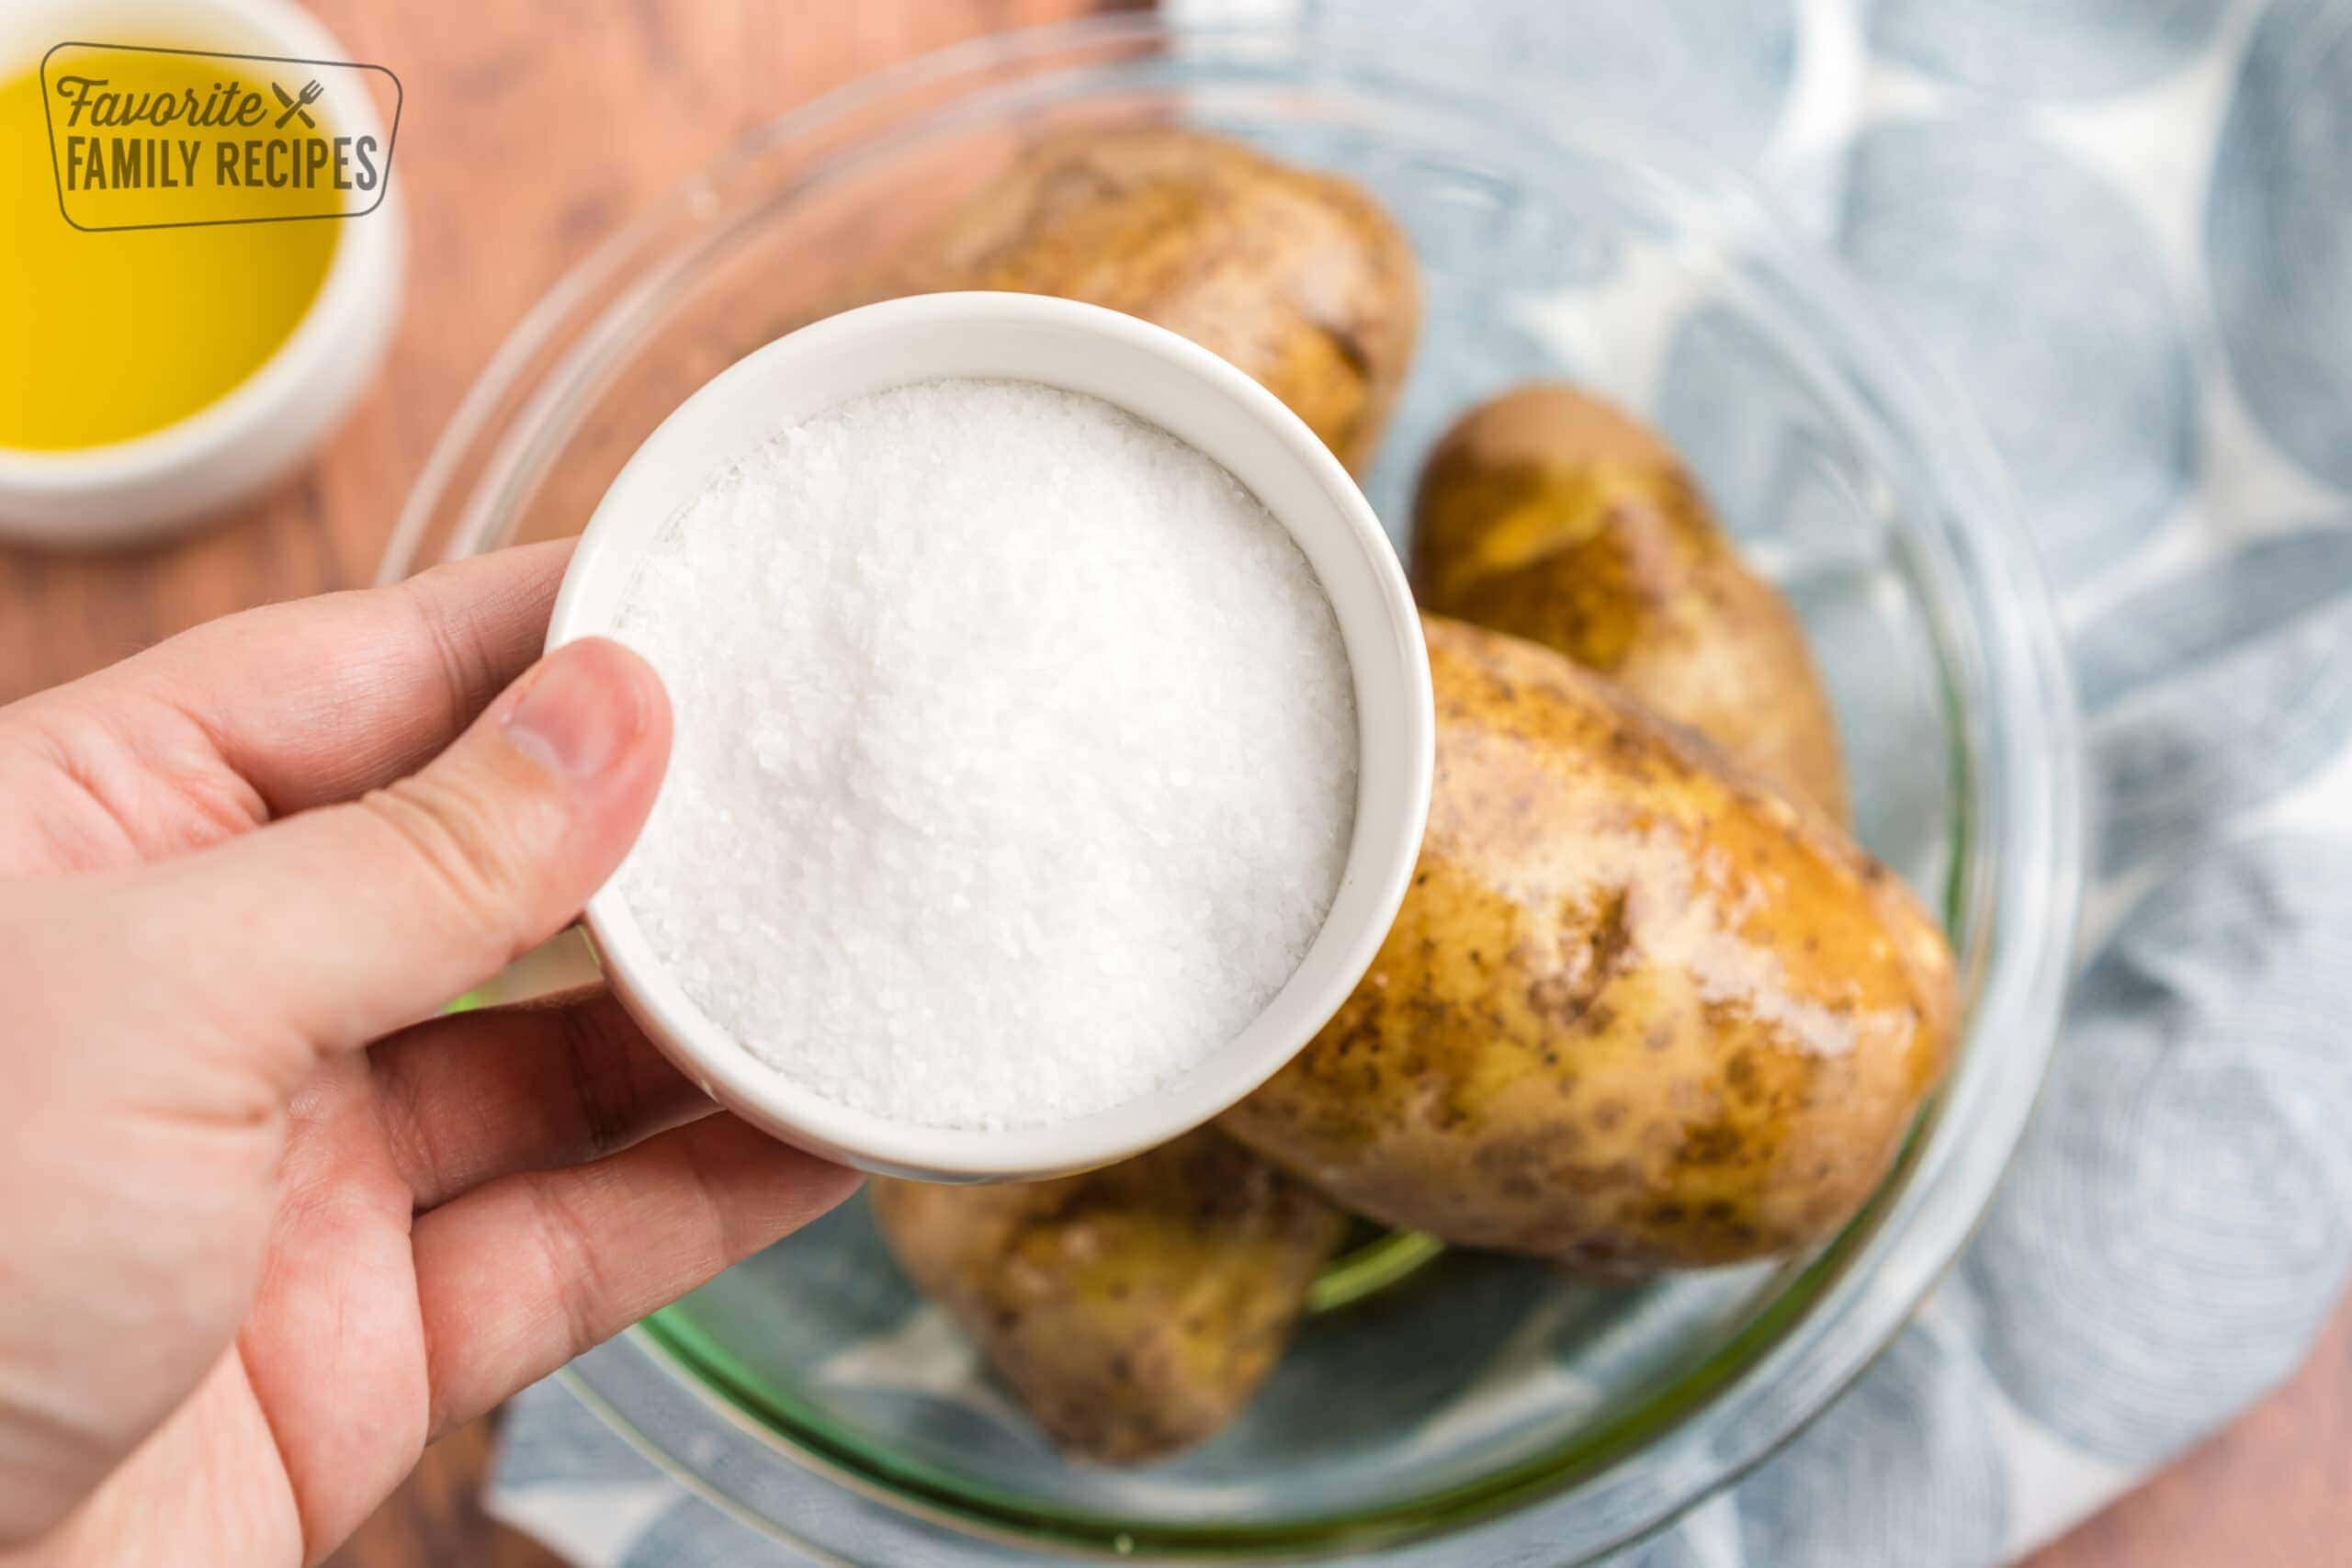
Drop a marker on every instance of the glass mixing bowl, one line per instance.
(809, 1391)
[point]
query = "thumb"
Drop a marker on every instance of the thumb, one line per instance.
(355, 919)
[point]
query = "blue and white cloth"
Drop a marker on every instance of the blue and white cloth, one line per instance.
(2154, 198)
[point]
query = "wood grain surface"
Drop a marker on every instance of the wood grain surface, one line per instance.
(533, 127)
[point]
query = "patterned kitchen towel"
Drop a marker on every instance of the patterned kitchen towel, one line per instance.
(2125, 228)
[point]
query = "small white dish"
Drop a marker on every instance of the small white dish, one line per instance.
(126, 492)
(1194, 395)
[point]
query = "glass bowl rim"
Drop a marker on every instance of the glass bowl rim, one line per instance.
(2024, 795)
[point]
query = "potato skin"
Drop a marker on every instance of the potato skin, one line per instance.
(1298, 277)
(1135, 1309)
(1638, 1011)
(1551, 515)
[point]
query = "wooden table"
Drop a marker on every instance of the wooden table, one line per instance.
(500, 204)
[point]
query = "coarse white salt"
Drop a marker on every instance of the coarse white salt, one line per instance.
(1016, 755)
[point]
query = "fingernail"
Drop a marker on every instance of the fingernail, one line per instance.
(577, 711)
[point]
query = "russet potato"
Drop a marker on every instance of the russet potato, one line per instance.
(1296, 276)
(1551, 515)
(1638, 1011)
(1131, 1310)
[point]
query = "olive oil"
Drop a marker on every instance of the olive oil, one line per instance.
(112, 334)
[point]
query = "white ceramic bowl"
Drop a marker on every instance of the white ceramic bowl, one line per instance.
(129, 490)
(1185, 390)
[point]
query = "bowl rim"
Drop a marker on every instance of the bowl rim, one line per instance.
(2026, 782)
(1164, 380)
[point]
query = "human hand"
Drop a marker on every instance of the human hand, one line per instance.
(262, 1232)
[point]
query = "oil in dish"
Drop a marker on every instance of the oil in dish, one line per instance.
(109, 335)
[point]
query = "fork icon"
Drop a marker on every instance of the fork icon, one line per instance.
(302, 105)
